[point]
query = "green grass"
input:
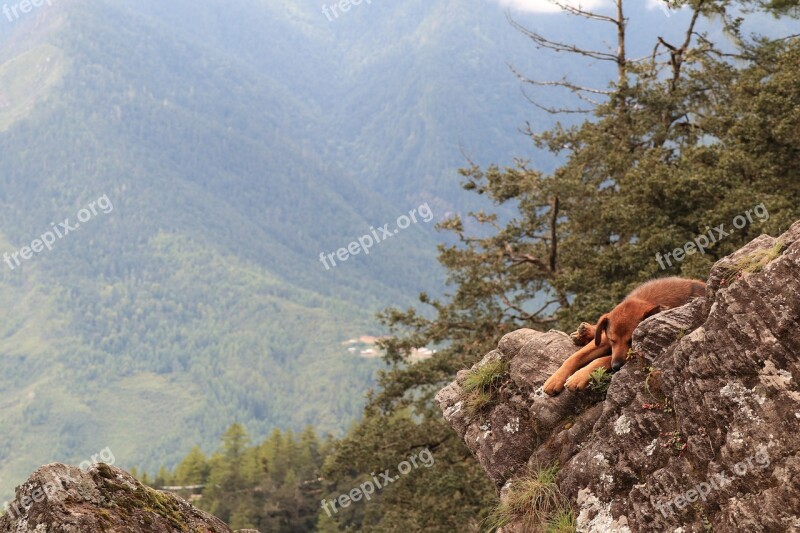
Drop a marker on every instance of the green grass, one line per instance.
(475, 401)
(481, 384)
(562, 522)
(536, 502)
(486, 377)
(753, 263)
(600, 380)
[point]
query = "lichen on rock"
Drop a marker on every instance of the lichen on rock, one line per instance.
(103, 498)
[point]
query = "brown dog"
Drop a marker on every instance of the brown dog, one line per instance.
(614, 331)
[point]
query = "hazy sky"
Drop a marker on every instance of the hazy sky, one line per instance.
(545, 6)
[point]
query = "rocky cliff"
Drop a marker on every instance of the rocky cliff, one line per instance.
(63, 499)
(699, 431)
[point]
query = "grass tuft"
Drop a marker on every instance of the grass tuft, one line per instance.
(562, 522)
(486, 378)
(481, 384)
(753, 263)
(536, 502)
(474, 402)
(600, 380)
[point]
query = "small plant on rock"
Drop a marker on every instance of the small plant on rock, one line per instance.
(753, 263)
(535, 501)
(562, 522)
(674, 442)
(600, 380)
(482, 383)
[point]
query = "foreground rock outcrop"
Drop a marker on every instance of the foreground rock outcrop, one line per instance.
(700, 430)
(65, 499)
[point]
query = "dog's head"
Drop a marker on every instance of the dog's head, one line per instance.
(619, 324)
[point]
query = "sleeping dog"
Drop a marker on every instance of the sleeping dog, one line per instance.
(614, 331)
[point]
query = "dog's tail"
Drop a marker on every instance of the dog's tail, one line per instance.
(698, 288)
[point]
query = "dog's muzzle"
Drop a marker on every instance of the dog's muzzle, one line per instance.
(616, 366)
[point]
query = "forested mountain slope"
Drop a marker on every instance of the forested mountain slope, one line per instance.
(233, 142)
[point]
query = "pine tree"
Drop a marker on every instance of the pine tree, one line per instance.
(193, 470)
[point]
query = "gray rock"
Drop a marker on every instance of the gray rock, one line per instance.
(701, 429)
(64, 499)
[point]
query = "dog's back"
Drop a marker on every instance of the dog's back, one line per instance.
(669, 292)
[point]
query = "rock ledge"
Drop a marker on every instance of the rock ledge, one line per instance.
(701, 430)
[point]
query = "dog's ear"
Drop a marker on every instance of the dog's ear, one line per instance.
(602, 324)
(653, 311)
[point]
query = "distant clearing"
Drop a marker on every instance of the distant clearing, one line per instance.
(26, 80)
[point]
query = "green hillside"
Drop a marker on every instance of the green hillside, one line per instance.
(199, 298)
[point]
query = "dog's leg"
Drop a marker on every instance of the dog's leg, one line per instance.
(588, 353)
(581, 379)
(584, 334)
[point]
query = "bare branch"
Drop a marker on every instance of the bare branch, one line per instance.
(567, 85)
(560, 110)
(690, 31)
(677, 52)
(555, 110)
(587, 99)
(522, 258)
(542, 42)
(711, 49)
(665, 43)
(530, 317)
(545, 306)
(578, 90)
(580, 12)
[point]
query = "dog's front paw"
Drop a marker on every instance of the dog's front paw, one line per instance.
(579, 380)
(554, 384)
(584, 334)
